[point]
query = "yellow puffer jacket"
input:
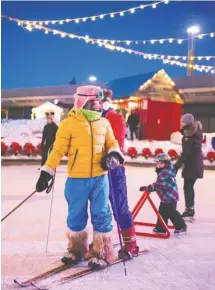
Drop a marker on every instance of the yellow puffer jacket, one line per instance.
(85, 143)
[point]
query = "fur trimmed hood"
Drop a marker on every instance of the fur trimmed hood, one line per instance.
(194, 129)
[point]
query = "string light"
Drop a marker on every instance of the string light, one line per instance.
(151, 41)
(167, 59)
(99, 16)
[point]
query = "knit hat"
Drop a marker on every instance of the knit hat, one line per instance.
(85, 94)
(187, 119)
(162, 157)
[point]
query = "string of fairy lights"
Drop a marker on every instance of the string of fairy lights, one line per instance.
(109, 15)
(111, 44)
(156, 41)
(167, 59)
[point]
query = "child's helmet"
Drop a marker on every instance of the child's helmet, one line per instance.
(162, 157)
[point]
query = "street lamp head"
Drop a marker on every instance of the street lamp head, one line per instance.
(92, 79)
(193, 29)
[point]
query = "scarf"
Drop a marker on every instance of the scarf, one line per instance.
(90, 115)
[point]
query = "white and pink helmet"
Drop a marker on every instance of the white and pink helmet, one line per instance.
(87, 93)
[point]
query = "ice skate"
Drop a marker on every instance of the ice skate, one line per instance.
(180, 232)
(130, 248)
(77, 248)
(158, 232)
(102, 251)
(188, 215)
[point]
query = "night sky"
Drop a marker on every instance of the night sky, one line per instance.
(33, 59)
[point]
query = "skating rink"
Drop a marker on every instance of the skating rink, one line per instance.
(185, 262)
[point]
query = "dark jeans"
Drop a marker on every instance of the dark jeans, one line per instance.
(189, 193)
(168, 211)
(45, 153)
(133, 131)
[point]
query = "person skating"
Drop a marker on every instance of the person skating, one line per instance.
(117, 182)
(191, 158)
(167, 190)
(88, 140)
(49, 134)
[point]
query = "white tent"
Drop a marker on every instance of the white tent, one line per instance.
(48, 107)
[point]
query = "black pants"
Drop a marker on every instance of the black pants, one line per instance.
(45, 153)
(133, 131)
(168, 211)
(189, 194)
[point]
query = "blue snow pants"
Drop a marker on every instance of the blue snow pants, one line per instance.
(77, 193)
(118, 193)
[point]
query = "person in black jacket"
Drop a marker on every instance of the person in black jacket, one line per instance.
(133, 122)
(49, 133)
(191, 158)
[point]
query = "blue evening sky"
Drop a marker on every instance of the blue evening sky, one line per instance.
(33, 59)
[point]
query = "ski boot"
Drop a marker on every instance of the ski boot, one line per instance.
(102, 251)
(181, 231)
(188, 214)
(130, 248)
(77, 248)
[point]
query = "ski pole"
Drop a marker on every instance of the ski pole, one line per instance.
(18, 206)
(117, 222)
(50, 214)
(52, 198)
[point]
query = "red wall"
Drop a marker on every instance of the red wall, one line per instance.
(169, 115)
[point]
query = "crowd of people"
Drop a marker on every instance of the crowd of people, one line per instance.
(93, 137)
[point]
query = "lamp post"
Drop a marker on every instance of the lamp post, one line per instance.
(192, 30)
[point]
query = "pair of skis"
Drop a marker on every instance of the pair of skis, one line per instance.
(35, 281)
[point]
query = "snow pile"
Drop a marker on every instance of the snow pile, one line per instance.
(24, 131)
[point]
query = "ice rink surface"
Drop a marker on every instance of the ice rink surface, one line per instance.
(185, 262)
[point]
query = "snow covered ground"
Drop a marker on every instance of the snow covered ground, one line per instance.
(24, 131)
(185, 262)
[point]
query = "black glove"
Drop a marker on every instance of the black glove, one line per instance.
(111, 161)
(146, 188)
(43, 182)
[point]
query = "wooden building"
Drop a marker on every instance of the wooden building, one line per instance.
(156, 100)
(199, 95)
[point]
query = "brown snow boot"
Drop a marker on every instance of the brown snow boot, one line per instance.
(77, 247)
(102, 251)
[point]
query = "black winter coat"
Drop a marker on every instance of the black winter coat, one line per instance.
(133, 121)
(191, 156)
(49, 133)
